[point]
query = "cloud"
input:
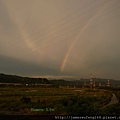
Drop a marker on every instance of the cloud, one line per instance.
(41, 37)
(15, 66)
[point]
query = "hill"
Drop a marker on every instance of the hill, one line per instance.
(24, 80)
(113, 83)
(27, 80)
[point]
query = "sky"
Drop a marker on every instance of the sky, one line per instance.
(60, 38)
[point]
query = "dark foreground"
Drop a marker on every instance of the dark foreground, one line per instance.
(36, 101)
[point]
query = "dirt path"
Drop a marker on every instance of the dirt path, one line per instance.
(114, 100)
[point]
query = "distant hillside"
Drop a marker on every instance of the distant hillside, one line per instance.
(26, 80)
(113, 83)
(18, 79)
(66, 82)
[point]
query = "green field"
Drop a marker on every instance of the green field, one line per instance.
(60, 101)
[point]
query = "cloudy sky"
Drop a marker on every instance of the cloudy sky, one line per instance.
(60, 38)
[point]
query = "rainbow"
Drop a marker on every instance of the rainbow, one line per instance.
(73, 42)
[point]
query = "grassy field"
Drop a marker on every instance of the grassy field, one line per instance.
(49, 100)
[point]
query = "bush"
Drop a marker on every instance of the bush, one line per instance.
(26, 100)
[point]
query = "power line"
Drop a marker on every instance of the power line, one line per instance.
(40, 43)
(53, 25)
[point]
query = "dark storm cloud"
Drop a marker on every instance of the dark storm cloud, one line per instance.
(15, 66)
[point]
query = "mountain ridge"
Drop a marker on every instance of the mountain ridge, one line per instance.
(5, 78)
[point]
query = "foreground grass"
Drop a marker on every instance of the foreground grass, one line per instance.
(52, 100)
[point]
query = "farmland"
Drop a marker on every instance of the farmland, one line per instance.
(51, 100)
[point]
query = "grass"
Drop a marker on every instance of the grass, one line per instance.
(11, 97)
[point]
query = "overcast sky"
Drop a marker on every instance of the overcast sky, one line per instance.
(60, 38)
